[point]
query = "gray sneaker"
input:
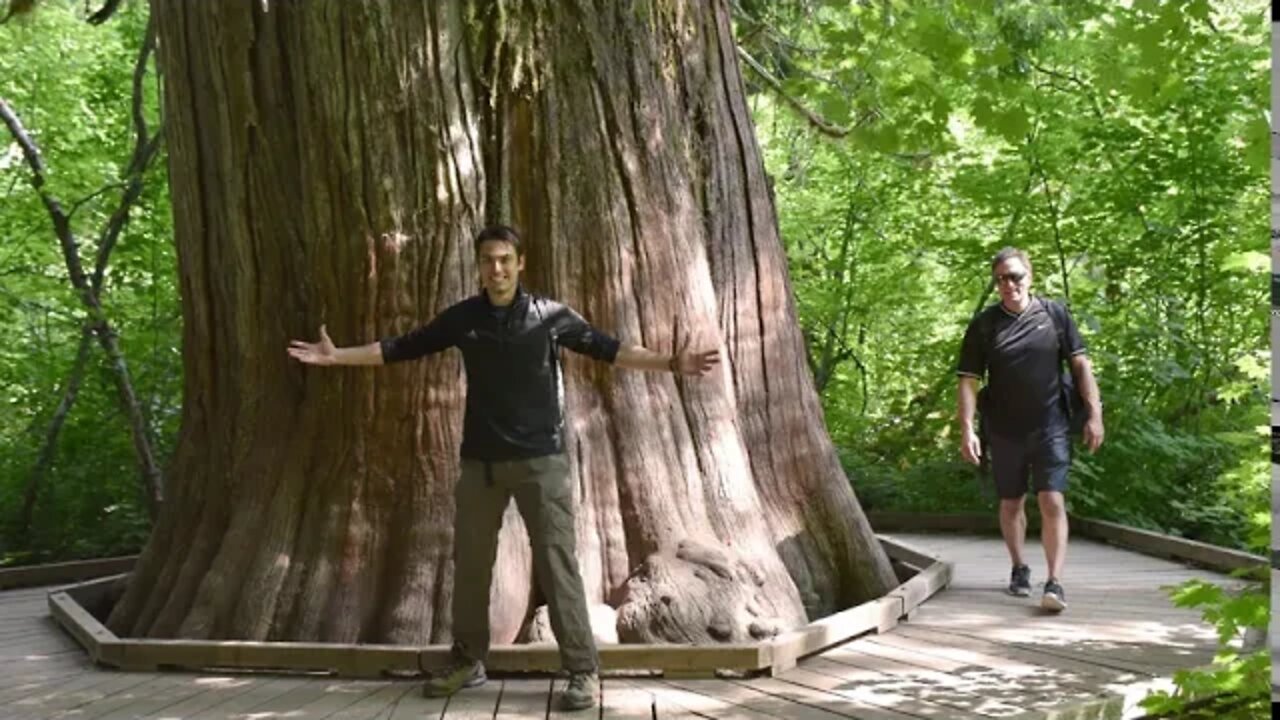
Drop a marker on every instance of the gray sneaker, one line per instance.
(461, 674)
(581, 692)
(1020, 581)
(1054, 598)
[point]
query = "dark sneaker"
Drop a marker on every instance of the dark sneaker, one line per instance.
(1020, 581)
(461, 674)
(1054, 598)
(581, 692)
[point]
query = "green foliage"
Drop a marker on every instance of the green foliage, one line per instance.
(70, 83)
(1123, 147)
(1238, 682)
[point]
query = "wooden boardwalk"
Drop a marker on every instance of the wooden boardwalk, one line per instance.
(970, 652)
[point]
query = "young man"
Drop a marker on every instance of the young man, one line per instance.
(1018, 344)
(511, 446)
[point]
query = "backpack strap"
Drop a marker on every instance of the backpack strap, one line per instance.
(985, 322)
(1057, 316)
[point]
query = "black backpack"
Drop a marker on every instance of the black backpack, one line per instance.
(1072, 403)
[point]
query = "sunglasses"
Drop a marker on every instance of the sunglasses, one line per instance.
(1014, 278)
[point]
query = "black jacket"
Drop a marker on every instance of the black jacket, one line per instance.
(514, 390)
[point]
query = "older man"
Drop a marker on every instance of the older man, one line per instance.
(1019, 344)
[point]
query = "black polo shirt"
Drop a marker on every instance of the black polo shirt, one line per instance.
(511, 355)
(1018, 355)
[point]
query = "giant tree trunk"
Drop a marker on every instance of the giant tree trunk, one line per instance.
(330, 162)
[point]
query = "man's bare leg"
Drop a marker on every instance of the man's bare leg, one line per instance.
(1053, 533)
(1053, 530)
(1013, 526)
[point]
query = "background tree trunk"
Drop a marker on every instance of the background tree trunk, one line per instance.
(331, 163)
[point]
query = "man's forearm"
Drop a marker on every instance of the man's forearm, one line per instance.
(1088, 385)
(966, 402)
(637, 358)
(370, 354)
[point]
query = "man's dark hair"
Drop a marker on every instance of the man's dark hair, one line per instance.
(1010, 252)
(504, 233)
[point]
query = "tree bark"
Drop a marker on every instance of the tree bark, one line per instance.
(331, 163)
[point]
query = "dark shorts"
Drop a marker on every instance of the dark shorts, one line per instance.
(1044, 458)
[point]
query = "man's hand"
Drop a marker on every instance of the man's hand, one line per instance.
(695, 363)
(971, 447)
(321, 353)
(1093, 432)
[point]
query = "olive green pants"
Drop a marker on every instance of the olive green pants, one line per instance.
(545, 501)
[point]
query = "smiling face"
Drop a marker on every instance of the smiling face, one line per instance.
(500, 266)
(1013, 282)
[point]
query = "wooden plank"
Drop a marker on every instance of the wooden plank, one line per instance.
(120, 698)
(69, 701)
(154, 696)
(971, 641)
(368, 661)
(923, 586)
(626, 700)
(233, 695)
(32, 593)
(65, 572)
(1145, 541)
(837, 704)
(379, 703)
(39, 644)
(413, 706)
(371, 661)
(702, 704)
(982, 693)
(967, 688)
(18, 688)
(525, 697)
(638, 700)
(329, 697)
(315, 697)
(30, 685)
(216, 690)
(27, 609)
(228, 696)
(756, 700)
(877, 615)
(84, 627)
(1162, 545)
(1010, 666)
(46, 698)
(90, 592)
(903, 551)
(32, 662)
(1072, 670)
(957, 658)
(1018, 622)
(1082, 605)
(478, 703)
(12, 637)
(886, 697)
(545, 657)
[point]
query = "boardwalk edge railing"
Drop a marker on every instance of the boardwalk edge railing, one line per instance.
(64, 572)
(1146, 542)
(929, 574)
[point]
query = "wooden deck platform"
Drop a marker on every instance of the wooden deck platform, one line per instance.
(970, 652)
